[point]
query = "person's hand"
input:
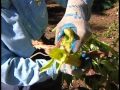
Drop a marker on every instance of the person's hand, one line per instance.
(41, 45)
(77, 22)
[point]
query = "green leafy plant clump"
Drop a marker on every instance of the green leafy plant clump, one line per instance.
(105, 63)
(63, 53)
(103, 60)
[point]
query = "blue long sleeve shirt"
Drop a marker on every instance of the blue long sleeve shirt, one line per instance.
(22, 21)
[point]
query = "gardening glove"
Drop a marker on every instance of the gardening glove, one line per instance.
(75, 18)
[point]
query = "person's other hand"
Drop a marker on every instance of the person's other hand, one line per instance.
(41, 45)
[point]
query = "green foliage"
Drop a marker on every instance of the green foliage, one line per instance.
(113, 27)
(67, 40)
(106, 68)
(61, 55)
(57, 55)
(100, 5)
(47, 66)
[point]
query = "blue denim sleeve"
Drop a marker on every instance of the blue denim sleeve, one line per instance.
(20, 24)
(33, 15)
(21, 71)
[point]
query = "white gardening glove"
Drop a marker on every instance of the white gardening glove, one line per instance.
(75, 18)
